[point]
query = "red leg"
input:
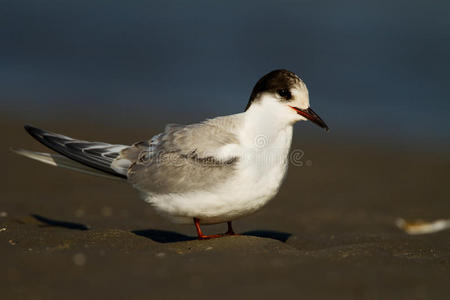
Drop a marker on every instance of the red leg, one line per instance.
(200, 234)
(230, 230)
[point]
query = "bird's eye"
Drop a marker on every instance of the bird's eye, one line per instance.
(284, 93)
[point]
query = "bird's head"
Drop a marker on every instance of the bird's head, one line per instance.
(286, 96)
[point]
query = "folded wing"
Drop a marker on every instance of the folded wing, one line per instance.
(184, 158)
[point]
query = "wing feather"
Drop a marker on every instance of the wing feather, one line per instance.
(97, 155)
(184, 158)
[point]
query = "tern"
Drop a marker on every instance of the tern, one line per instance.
(211, 172)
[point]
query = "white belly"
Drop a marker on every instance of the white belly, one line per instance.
(238, 198)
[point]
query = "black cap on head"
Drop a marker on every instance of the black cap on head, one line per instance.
(277, 80)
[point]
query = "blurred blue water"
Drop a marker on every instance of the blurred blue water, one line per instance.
(378, 67)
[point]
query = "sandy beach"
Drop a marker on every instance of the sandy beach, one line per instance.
(329, 234)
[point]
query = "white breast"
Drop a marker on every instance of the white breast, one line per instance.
(260, 174)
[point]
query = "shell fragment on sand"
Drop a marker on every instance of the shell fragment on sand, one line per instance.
(422, 227)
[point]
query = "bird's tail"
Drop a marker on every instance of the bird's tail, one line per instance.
(61, 161)
(94, 158)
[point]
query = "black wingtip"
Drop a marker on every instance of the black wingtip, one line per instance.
(53, 141)
(35, 132)
(31, 129)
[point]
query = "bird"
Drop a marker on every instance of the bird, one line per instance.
(211, 172)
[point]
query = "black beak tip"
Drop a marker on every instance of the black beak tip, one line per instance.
(312, 116)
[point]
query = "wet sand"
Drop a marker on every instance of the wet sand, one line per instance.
(329, 234)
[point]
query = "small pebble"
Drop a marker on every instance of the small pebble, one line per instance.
(3, 229)
(160, 255)
(79, 259)
(3, 214)
(11, 242)
(209, 248)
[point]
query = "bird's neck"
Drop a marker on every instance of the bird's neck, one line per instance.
(265, 128)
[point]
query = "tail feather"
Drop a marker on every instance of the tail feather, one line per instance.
(62, 161)
(95, 155)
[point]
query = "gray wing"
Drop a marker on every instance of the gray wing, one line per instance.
(182, 159)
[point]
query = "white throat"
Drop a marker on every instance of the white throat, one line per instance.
(267, 124)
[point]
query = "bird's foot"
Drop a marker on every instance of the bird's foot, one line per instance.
(208, 237)
(230, 233)
(230, 230)
(202, 236)
(214, 236)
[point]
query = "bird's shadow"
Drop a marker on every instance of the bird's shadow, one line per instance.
(160, 236)
(164, 236)
(47, 222)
